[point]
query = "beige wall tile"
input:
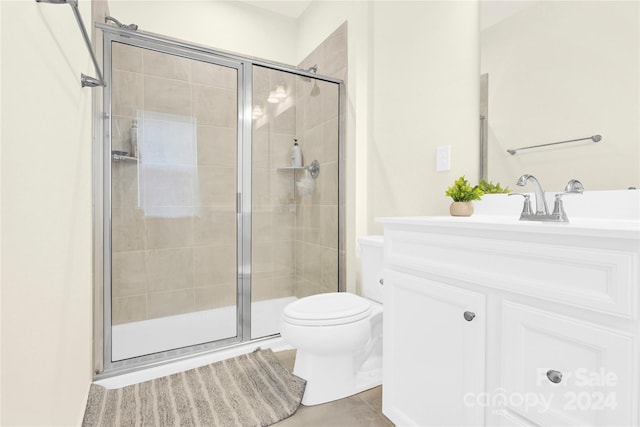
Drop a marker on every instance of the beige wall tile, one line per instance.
(169, 232)
(304, 288)
(283, 223)
(128, 274)
(261, 149)
(125, 57)
(170, 269)
(283, 260)
(329, 184)
(329, 267)
(330, 140)
(313, 145)
(128, 309)
(164, 304)
(273, 287)
(215, 106)
(124, 184)
(262, 259)
(127, 96)
(312, 263)
(311, 224)
(166, 65)
(214, 75)
(329, 226)
(215, 186)
(328, 100)
(335, 51)
(280, 149)
(167, 96)
(120, 136)
(215, 266)
(283, 188)
(217, 146)
(127, 229)
(261, 228)
(284, 120)
(215, 226)
(261, 188)
(215, 296)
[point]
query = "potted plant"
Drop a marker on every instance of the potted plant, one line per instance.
(463, 194)
(489, 187)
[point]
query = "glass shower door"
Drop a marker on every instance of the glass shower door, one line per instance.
(174, 185)
(295, 208)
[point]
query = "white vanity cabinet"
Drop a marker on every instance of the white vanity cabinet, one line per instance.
(496, 322)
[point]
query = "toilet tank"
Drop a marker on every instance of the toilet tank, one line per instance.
(371, 262)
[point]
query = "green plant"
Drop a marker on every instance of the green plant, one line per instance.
(462, 191)
(489, 187)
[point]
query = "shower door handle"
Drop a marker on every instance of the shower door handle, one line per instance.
(238, 203)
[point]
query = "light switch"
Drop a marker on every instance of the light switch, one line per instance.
(443, 158)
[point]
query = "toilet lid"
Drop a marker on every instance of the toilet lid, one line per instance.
(334, 308)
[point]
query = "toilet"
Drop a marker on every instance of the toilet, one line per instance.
(338, 335)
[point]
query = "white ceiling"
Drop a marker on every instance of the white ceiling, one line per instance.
(289, 8)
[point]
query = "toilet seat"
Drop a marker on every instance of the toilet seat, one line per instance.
(336, 308)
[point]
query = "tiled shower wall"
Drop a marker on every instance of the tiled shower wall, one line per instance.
(317, 214)
(171, 263)
(273, 208)
(173, 211)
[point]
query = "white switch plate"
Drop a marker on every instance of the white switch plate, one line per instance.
(443, 158)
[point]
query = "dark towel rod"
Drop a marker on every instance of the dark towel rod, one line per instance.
(594, 138)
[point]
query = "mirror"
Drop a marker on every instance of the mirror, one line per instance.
(558, 71)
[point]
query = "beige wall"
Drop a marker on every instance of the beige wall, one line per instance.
(425, 95)
(561, 71)
(46, 215)
(222, 24)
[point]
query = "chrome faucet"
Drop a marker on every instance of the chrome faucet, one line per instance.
(541, 203)
(542, 211)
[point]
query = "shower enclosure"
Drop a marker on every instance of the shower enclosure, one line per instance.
(209, 231)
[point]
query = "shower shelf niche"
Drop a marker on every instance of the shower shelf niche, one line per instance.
(313, 168)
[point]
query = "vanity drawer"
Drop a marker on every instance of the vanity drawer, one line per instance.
(597, 279)
(560, 371)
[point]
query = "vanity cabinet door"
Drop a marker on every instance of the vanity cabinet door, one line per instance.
(561, 371)
(434, 352)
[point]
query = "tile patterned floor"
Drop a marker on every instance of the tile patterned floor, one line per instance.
(360, 410)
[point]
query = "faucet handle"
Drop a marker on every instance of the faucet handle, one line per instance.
(573, 187)
(526, 209)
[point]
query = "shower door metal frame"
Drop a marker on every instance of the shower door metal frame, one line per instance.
(103, 218)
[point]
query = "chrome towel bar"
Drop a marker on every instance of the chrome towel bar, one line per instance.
(594, 138)
(85, 80)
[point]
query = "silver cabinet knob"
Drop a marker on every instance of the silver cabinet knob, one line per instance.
(554, 376)
(469, 316)
(381, 281)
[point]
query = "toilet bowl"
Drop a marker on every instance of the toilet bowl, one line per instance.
(338, 335)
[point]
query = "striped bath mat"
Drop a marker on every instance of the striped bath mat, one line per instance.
(249, 390)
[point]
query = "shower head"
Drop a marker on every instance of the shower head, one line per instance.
(313, 69)
(315, 91)
(132, 27)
